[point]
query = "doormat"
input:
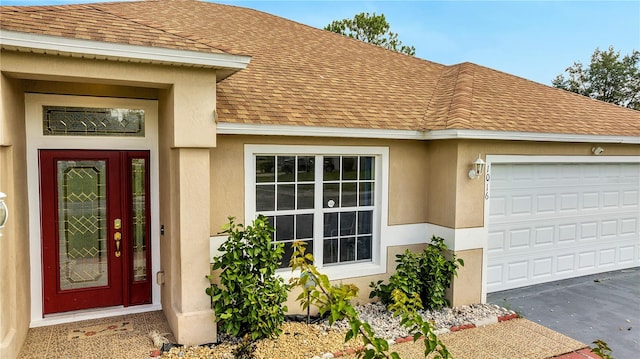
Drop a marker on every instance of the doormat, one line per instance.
(102, 329)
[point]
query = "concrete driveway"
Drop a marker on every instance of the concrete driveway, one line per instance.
(602, 306)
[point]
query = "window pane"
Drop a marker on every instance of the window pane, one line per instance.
(286, 168)
(284, 228)
(347, 223)
(286, 256)
(349, 194)
(347, 249)
(330, 224)
(305, 196)
(264, 169)
(304, 226)
(364, 247)
(271, 221)
(330, 251)
(331, 195)
(265, 197)
(331, 167)
(367, 168)
(288, 252)
(366, 193)
(365, 224)
(349, 168)
(286, 196)
(306, 168)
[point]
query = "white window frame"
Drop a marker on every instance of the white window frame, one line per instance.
(377, 265)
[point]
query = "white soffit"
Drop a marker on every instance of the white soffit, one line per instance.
(228, 128)
(55, 45)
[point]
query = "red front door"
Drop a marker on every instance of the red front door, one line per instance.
(95, 229)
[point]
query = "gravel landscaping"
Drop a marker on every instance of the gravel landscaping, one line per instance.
(300, 340)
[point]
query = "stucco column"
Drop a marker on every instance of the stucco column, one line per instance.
(190, 305)
(187, 135)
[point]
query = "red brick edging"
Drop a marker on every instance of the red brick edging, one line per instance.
(409, 338)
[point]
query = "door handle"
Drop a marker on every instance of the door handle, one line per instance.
(117, 237)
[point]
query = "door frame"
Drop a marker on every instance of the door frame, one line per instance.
(37, 141)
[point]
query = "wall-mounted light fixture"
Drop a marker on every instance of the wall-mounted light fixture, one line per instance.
(597, 150)
(478, 167)
(4, 211)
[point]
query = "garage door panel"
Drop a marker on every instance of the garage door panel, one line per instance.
(607, 257)
(568, 202)
(566, 220)
(587, 260)
(565, 263)
(542, 267)
(519, 239)
(630, 198)
(590, 200)
(629, 226)
(544, 236)
(496, 241)
(627, 254)
(588, 231)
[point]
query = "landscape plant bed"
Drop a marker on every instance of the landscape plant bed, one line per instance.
(299, 340)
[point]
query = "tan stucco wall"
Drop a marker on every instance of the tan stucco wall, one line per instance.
(466, 287)
(441, 183)
(407, 175)
(14, 243)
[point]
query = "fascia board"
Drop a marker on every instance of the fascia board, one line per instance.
(55, 45)
(529, 136)
(229, 128)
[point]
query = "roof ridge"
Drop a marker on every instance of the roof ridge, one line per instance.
(423, 124)
(105, 8)
(462, 98)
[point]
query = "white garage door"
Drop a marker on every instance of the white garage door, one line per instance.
(554, 221)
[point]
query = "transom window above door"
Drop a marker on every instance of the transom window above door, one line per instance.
(328, 200)
(90, 121)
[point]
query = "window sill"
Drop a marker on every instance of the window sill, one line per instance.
(343, 271)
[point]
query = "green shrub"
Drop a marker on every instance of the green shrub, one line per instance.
(427, 274)
(601, 348)
(249, 299)
(335, 300)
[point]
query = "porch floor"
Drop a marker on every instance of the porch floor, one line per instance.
(124, 336)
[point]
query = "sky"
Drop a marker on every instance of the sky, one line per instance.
(536, 40)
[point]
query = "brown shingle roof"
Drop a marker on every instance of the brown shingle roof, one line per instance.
(304, 76)
(89, 22)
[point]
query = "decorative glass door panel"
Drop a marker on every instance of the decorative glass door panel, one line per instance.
(139, 218)
(95, 229)
(82, 211)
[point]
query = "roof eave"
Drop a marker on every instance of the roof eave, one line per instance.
(228, 128)
(63, 46)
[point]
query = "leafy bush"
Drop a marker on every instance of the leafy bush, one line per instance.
(406, 278)
(601, 348)
(249, 299)
(427, 274)
(335, 300)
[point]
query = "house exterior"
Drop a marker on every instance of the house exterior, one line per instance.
(130, 131)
